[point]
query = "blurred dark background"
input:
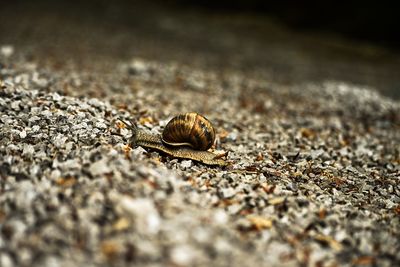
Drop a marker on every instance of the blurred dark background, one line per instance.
(284, 41)
(374, 21)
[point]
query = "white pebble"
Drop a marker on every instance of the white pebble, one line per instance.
(228, 192)
(52, 261)
(95, 102)
(22, 134)
(99, 167)
(71, 164)
(316, 153)
(186, 164)
(222, 246)
(232, 136)
(69, 146)
(55, 174)
(46, 113)
(82, 125)
(5, 260)
(101, 125)
(56, 97)
(7, 50)
(35, 128)
(220, 217)
(182, 255)
(59, 140)
(34, 118)
(139, 66)
(28, 150)
(15, 105)
(143, 210)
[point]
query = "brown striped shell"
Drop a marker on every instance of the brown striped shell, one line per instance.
(189, 129)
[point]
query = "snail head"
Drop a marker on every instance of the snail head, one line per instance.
(132, 125)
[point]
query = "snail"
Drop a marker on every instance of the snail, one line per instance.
(187, 136)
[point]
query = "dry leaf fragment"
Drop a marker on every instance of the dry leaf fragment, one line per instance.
(144, 120)
(121, 224)
(364, 260)
(259, 223)
(329, 241)
(127, 150)
(2, 216)
(110, 249)
(67, 182)
(268, 188)
(276, 200)
(322, 213)
(252, 168)
(260, 157)
(223, 134)
(122, 106)
(397, 210)
(307, 133)
(120, 125)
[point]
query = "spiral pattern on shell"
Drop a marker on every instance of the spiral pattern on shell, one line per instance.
(189, 129)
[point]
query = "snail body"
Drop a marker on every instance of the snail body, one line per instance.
(187, 136)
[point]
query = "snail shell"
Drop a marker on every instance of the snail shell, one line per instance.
(189, 129)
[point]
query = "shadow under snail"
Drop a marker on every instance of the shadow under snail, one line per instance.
(186, 136)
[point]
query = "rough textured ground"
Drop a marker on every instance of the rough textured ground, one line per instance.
(313, 179)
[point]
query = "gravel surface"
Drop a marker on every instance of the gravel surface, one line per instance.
(313, 177)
